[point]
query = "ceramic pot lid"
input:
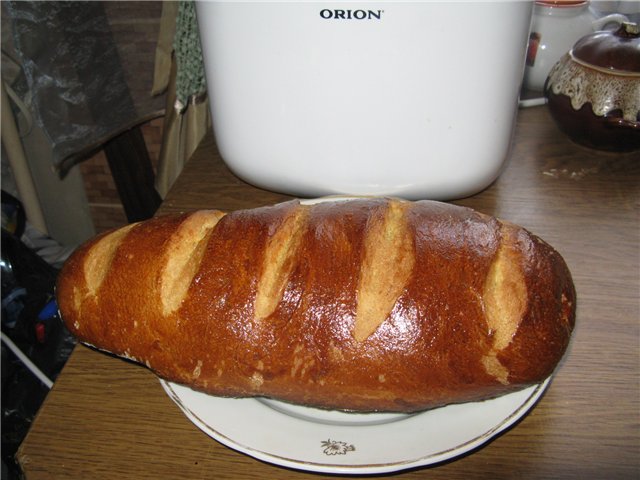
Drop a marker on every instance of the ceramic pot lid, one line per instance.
(615, 52)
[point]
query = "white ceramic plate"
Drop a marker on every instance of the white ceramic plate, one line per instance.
(337, 442)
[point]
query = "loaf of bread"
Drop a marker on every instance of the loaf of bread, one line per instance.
(360, 305)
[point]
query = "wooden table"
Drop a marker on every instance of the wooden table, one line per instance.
(107, 418)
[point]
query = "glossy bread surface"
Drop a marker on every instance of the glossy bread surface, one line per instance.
(365, 305)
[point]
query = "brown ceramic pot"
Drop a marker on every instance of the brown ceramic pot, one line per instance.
(594, 90)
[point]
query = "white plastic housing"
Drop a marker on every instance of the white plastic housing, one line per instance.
(415, 99)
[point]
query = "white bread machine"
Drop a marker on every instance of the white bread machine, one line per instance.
(415, 99)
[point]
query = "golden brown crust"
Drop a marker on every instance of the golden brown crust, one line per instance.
(367, 305)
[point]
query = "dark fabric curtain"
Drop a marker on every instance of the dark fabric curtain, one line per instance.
(76, 76)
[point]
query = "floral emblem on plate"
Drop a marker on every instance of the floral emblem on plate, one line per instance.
(334, 447)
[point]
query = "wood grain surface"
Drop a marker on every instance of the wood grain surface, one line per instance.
(108, 418)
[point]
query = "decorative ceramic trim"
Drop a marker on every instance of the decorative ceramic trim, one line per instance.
(605, 92)
(335, 447)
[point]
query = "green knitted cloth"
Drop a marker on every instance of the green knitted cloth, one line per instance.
(190, 78)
